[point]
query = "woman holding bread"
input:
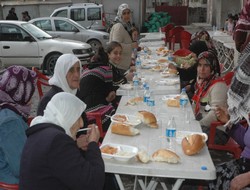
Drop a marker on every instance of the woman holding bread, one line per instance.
(210, 91)
(235, 174)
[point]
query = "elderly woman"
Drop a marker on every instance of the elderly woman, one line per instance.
(17, 86)
(66, 78)
(210, 91)
(51, 160)
(235, 174)
(121, 32)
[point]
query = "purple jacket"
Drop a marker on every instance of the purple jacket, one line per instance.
(51, 160)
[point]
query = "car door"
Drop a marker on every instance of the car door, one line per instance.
(15, 50)
(65, 29)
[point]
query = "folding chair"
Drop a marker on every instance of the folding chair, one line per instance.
(175, 36)
(5, 186)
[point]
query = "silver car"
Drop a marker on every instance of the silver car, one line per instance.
(23, 43)
(69, 29)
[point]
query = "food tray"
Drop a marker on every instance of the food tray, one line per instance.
(124, 152)
(127, 86)
(131, 120)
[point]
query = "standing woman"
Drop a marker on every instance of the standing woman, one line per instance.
(121, 32)
(17, 86)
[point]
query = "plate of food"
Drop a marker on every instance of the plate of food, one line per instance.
(118, 151)
(126, 119)
(169, 73)
(168, 82)
(126, 86)
(182, 134)
(157, 68)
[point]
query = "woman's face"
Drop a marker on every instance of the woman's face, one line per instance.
(203, 69)
(115, 55)
(73, 76)
(126, 14)
(76, 126)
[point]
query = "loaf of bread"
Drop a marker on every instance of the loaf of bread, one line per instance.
(148, 118)
(143, 156)
(192, 144)
(164, 155)
(172, 102)
(122, 129)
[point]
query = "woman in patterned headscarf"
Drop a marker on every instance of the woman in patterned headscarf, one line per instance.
(121, 32)
(210, 91)
(242, 29)
(235, 174)
(17, 86)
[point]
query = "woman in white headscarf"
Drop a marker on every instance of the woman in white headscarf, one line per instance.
(121, 32)
(51, 160)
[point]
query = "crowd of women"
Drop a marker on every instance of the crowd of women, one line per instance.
(52, 154)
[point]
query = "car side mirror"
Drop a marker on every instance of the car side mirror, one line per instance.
(28, 39)
(76, 30)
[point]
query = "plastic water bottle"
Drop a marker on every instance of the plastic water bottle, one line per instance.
(146, 95)
(138, 63)
(134, 53)
(183, 99)
(151, 102)
(136, 83)
(171, 134)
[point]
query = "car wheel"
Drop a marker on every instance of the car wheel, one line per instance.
(51, 62)
(95, 44)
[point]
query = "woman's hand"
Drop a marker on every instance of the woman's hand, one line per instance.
(240, 181)
(82, 142)
(222, 114)
(171, 66)
(135, 45)
(94, 133)
(111, 96)
(129, 76)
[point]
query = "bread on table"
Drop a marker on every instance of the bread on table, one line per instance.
(143, 156)
(135, 100)
(192, 144)
(148, 118)
(122, 129)
(172, 102)
(164, 155)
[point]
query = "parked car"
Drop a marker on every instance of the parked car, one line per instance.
(69, 29)
(89, 15)
(23, 43)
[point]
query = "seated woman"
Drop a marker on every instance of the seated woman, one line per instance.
(17, 86)
(51, 159)
(235, 174)
(96, 88)
(210, 91)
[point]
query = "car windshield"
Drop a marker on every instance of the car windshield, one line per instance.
(36, 32)
(78, 25)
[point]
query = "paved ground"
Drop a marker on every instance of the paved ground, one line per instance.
(217, 156)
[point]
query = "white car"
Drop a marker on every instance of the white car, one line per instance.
(25, 44)
(69, 29)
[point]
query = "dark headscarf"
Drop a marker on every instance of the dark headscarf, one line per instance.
(17, 86)
(198, 47)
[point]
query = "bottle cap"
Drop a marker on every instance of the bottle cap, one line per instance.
(203, 167)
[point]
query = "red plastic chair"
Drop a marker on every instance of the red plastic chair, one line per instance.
(166, 30)
(5, 186)
(98, 119)
(231, 146)
(175, 36)
(182, 52)
(41, 80)
(185, 39)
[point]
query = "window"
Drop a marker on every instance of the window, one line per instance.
(64, 26)
(44, 25)
(77, 14)
(11, 33)
(94, 13)
(62, 13)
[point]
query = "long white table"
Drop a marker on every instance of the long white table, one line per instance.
(190, 167)
(153, 36)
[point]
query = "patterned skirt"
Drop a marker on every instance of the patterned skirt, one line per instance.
(227, 171)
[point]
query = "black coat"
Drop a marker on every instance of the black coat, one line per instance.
(51, 160)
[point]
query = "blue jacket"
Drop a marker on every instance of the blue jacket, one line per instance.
(51, 160)
(12, 140)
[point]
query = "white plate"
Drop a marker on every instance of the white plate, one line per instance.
(126, 86)
(170, 96)
(148, 65)
(167, 74)
(131, 120)
(182, 134)
(124, 152)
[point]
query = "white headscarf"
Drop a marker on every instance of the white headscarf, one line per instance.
(63, 65)
(63, 110)
(121, 8)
